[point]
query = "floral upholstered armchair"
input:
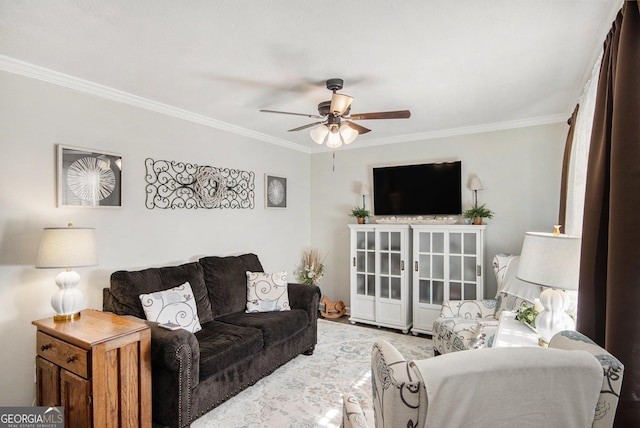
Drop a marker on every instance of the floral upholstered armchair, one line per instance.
(423, 393)
(398, 394)
(472, 324)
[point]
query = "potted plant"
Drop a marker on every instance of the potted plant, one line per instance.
(477, 213)
(360, 214)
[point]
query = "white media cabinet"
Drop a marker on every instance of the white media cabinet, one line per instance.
(401, 274)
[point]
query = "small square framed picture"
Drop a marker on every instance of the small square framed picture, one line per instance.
(89, 178)
(275, 191)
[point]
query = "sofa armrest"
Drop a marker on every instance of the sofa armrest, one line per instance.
(352, 414)
(612, 368)
(399, 398)
(469, 309)
(307, 297)
(107, 300)
(173, 350)
(176, 351)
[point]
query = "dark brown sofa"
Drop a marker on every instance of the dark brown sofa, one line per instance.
(193, 373)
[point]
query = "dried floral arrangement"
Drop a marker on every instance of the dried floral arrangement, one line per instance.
(311, 268)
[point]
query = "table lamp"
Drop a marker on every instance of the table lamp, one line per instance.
(364, 191)
(475, 184)
(66, 248)
(551, 260)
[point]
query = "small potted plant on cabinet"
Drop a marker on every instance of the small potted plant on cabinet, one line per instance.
(360, 214)
(477, 212)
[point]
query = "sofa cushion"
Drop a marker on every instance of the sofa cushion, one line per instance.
(267, 292)
(226, 281)
(222, 345)
(175, 305)
(127, 286)
(275, 326)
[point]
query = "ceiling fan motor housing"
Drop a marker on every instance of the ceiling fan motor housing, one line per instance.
(335, 84)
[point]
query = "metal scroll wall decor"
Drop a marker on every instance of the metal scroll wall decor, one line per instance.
(185, 185)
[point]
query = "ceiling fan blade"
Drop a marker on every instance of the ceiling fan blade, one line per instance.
(361, 129)
(340, 104)
(398, 114)
(294, 114)
(300, 128)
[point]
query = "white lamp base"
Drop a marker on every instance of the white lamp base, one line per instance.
(553, 318)
(67, 301)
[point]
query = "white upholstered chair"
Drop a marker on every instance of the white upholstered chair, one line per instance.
(574, 382)
(471, 324)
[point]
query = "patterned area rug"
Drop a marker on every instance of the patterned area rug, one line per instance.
(307, 391)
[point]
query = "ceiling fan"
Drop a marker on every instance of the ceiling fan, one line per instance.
(336, 126)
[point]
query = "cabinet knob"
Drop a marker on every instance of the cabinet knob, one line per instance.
(415, 266)
(45, 347)
(71, 359)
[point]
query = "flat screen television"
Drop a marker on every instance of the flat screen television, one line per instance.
(424, 189)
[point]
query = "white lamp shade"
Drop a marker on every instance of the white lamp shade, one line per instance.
(348, 133)
(67, 247)
(475, 184)
(550, 260)
(340, 104)
(364, 189)
(319, 133)
(334, 140)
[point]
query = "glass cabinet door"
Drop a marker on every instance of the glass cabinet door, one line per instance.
(390, 273)
(430, 266)
(462, 266)
(365, 263)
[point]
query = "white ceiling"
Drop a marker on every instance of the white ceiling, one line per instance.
(459, 66)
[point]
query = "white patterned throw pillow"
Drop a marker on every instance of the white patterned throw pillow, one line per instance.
(267, 292)
(176, 305)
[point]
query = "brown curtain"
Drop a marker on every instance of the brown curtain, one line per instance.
(562, 214)
(609, 296)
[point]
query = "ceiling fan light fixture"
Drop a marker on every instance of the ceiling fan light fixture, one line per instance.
(319, 133)
(334, 139)
(347, 133)
(340, 104)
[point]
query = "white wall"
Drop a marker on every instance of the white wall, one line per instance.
(34, 117)
(519, 169)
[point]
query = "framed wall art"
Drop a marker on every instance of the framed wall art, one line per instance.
(275, 191)
(89, 178)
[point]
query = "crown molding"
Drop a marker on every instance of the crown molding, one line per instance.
(453, 132)
(26, 69)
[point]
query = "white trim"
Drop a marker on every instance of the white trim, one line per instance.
(443, 133)
(50, 76)
(26, 69)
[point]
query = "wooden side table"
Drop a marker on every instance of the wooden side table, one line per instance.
(98, 367)
(512, 332)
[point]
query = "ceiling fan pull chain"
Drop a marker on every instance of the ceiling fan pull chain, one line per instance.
(333, 165)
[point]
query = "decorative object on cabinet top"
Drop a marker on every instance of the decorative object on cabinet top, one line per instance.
(173, 185)
(418, 220)
(360, 213)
